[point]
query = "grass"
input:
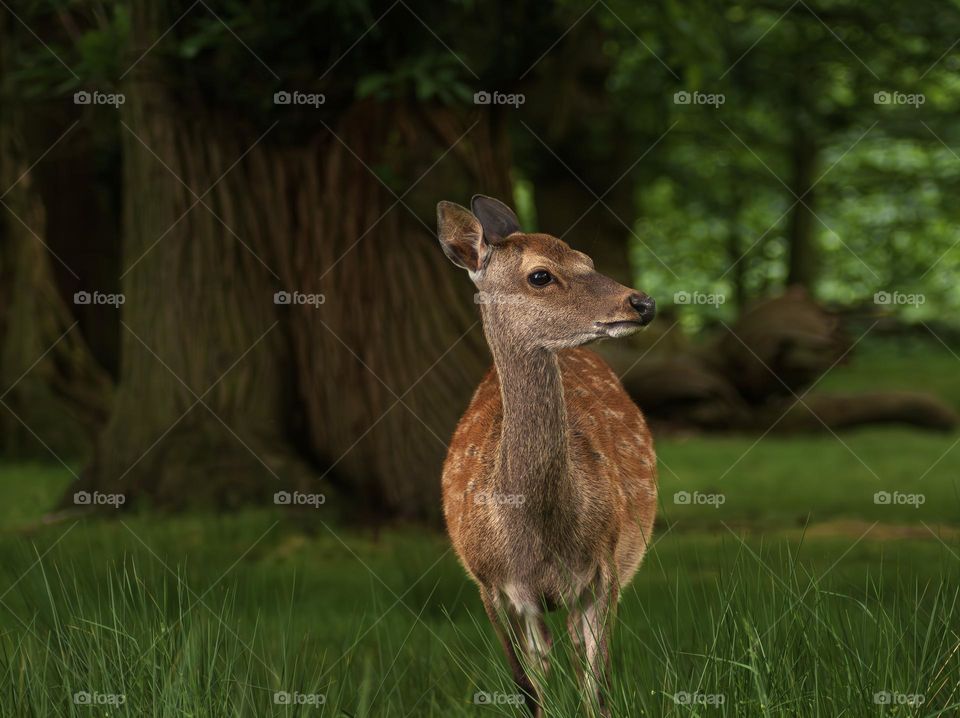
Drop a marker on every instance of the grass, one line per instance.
(923, 363)
(798, 596)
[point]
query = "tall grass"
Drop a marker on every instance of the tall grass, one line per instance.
(713, 626)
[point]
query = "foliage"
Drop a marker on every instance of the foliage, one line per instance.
(722, 185)
(713, 198)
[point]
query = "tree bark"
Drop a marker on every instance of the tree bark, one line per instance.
(362, 388)
(55, 396)
(398, 317)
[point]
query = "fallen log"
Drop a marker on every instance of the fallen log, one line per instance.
(823, 412)
(748, 378)
(682, 390)
(778, 346)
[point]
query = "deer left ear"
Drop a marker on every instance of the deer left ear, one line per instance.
(461, 236)
(498, 220)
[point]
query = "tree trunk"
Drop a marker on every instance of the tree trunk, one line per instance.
(202, 404)
(398, 317)
(365, 383)
(55, 396)
(802, 250)
(564, 208)
(574, 167)
(737, 263)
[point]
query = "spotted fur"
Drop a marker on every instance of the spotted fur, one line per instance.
(613, 466)
(549, 487)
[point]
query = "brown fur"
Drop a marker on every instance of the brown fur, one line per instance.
(614, 472)
(549, 486)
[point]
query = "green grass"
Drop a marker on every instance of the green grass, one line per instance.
(798, 596)
(162, 611)
(784, 481)
(917, 364)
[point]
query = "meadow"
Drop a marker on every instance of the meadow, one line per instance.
(779, 584)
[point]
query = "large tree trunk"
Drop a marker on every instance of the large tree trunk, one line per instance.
(55, 396)
(568, 209)
(201, 408)
(586, 192)
(398, 317)
(368, 384)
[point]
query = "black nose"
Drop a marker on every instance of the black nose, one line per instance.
(646, 307)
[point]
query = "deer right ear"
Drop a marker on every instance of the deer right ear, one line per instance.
(498, 220)
(461, 236)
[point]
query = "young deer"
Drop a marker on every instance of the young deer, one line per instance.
(549, 486)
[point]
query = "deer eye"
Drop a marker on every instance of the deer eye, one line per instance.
(540, 278)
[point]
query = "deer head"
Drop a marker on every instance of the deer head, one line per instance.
(536, 292)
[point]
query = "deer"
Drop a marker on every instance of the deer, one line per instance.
(549, 487)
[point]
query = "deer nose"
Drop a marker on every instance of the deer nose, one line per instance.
(645, 306)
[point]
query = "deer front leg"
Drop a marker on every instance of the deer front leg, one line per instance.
(526, 640)
(590, 623)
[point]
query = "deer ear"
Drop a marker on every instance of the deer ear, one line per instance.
(498, 220)
(461, 236)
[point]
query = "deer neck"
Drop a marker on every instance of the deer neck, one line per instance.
(533, 455)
